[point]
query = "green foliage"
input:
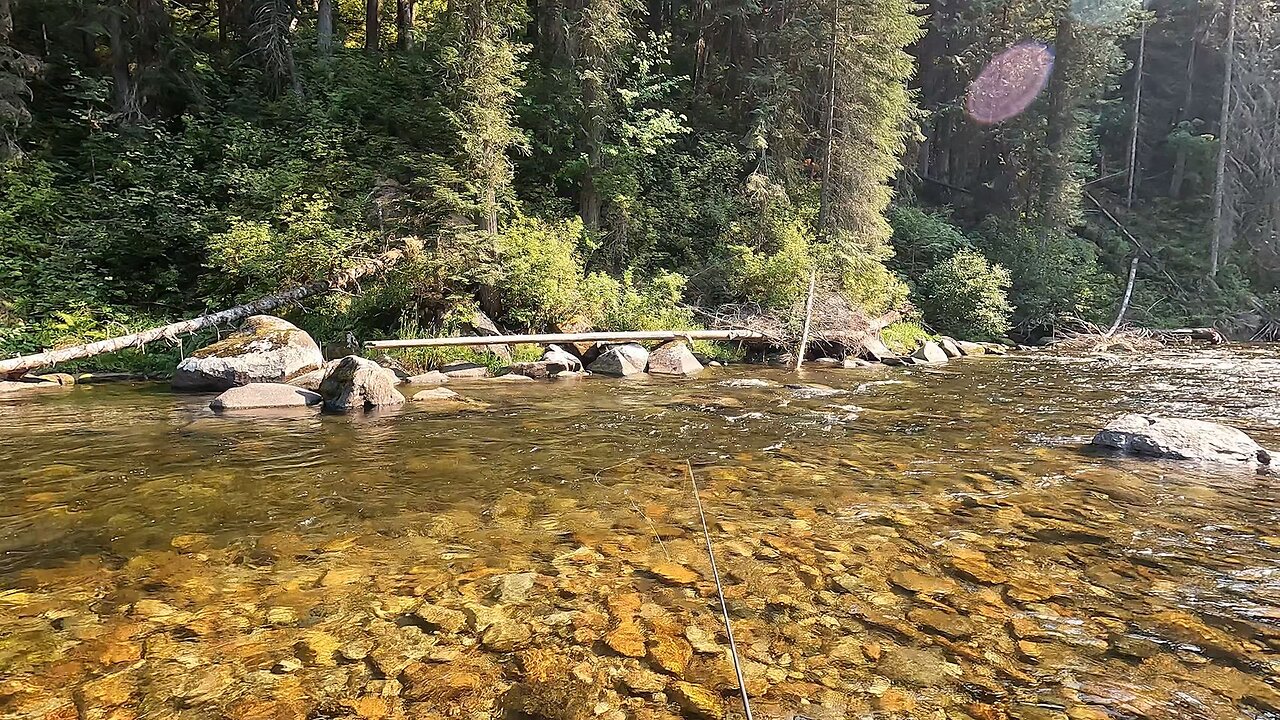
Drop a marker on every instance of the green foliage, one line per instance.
(540, 272)
(904, 337)
(966, 296)
(775, 279)
(653, 303)
(922, 239)
(1056, 275)
(304, 244)
(602, 163)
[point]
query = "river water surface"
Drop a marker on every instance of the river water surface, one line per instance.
(924, 543)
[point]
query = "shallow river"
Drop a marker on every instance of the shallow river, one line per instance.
(928, 543)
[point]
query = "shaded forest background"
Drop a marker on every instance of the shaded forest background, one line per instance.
(617, 164)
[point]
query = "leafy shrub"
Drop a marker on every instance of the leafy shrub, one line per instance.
(868, 284)
(302, 244)
(904, 337)
(650, 304)
(1055, 275)
(966, 296)
(540, 272)
(922, 239)
(774, 279)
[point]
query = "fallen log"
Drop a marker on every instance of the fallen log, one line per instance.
(545, 338)
(19, 365)
(1210, 335)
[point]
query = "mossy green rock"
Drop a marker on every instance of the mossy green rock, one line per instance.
(265, 349)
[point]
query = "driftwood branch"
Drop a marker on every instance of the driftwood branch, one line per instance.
(1128, 295)
(808, 320)
(545, 338)
(22, 364)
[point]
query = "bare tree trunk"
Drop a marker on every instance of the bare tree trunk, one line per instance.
(1224, 119)
(123, 95)
(1180, 158)
(372, 26)
(808, 319)
(404, 24)
(829, 119)
(1128, 295)
(324, 26)
(6, 22)
(168, 332)
(1137, 116)
(590, 205)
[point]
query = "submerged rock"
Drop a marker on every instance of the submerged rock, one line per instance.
(697, 701)
(747, 383)
(8, 387)
(1180, 439)
(264, 349)
(435, 377)
(264, 395)
(807, 391)
(356, 383)
(464, 371)
(622, 360)
(673, 358)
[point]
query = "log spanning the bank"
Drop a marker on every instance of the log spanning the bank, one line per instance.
(24, 363)
(547, 338)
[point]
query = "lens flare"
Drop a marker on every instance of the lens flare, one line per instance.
(1009, 83)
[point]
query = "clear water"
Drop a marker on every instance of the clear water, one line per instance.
(928, 543)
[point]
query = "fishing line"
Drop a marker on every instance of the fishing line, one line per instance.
(724, 607)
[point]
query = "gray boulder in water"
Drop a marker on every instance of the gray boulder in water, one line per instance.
(673, 357)
(356, 383)
(1180, 439)
(264, 395)
(929, 352)
(622, 360)
(264, 349)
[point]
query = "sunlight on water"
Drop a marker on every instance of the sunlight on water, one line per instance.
(905, 543)
(1009, 83)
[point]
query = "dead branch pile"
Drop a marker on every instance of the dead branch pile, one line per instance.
(837, 328)
(1092, 339)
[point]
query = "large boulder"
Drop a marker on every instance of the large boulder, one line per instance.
(622, 360)
(873, 348)
(559, 360)
(462, 370)
(950, 347)
(264, 349)
(929, 352)
(356, 383)
(1180, 439)
(673, 358)
(264, 395)
(480, 325)
(971, 348)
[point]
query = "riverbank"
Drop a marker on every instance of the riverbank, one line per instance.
(925, 540)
